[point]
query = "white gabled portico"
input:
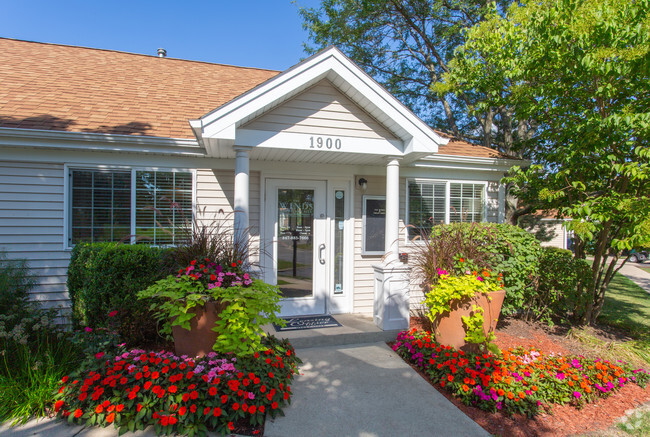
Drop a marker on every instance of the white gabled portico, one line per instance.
(328, 112)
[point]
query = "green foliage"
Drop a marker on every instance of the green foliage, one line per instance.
(34, 355)
(105, 277)
(561, 287)
(502, 248)
(579, 70)
(15, 283)
(245, 304)
(456, 291)
(407, 46)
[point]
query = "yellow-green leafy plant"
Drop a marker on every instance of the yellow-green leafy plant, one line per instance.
(450, 290)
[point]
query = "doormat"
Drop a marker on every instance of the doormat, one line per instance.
(307, 322)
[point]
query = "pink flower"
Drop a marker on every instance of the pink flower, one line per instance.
(88, 329)
(112, 313)
(577, 394)
(98, 355)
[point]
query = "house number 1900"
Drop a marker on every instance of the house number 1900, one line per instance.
(328, 143)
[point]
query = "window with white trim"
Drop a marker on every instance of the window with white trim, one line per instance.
(101, 205)
(432, 203)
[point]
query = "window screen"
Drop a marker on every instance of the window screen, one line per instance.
(101, 205)
(466, 202)
(163, 205)
(427, 206)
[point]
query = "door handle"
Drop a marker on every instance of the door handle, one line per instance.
(321, 248)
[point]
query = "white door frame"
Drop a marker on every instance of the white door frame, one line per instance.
(317, 302)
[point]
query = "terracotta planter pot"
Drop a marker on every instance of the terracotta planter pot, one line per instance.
(199, 340)
(449, 329)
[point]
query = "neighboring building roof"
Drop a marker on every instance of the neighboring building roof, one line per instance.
(79, 89)
(458, 147)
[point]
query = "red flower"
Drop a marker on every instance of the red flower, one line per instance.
(112, 313)
(182, 411)
(83, 396)
(235, 406)
(224, 399)
(193, 262)
(172, 389)
(216, 412)
(213, 391)
(193, 408)
(206, 411)
(119, 408)
(139, 407)
(274, 405)
(231, 426)
(172, 420)
(78, 413)
(98, 355)
(147, 385)
(252, 409)
(133, 394)
(99, 409)
(64, 379)
(58, 405)
(233, 265)
(194, 395)
(110, 418)
(186, 397)
(262, 408)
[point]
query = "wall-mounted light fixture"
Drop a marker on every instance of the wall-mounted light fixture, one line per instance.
(363, 183)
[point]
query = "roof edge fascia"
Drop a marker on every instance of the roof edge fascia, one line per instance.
(40, 138)
(469, 162)
(419, 129)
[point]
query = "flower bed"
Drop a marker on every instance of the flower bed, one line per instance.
(519, 381)
(179, 395)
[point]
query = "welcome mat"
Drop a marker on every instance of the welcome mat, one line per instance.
(307, 322)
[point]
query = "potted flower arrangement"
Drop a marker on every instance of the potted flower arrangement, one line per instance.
(464, 309)
(209, 306)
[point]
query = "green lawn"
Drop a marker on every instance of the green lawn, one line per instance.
(627, 306)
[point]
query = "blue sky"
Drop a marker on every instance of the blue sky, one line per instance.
(251, 33)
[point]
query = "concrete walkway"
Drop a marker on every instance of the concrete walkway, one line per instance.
(366, 390)
(362, 390)
(639, 276)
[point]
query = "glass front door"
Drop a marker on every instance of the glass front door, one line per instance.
(296, 220)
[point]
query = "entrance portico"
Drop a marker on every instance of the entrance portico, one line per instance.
(323, 116)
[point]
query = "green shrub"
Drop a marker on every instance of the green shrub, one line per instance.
(501, 248)
(561, 286)
(15, 283)
(106, 277)
(34, 356)
(517, 254)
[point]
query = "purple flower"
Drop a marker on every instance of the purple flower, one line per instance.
(577, 394)
(560, 375)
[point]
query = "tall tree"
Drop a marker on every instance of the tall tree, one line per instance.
(406, 45)
(581, 70)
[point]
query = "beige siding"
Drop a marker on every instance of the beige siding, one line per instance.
(215, 199)
(31, 225)
(492, 202)
(321, 110)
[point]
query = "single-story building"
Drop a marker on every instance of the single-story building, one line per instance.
(323, 169)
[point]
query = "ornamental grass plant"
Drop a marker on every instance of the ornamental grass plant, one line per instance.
(517, 381)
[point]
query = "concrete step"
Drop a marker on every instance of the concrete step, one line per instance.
(355, 329)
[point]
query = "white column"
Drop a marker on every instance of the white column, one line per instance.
(391, 244)
(241, 206)
(501, 204)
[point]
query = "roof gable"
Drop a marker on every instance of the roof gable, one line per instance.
(218, 129)
(324, 110)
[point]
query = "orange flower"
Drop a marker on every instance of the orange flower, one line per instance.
(521, 394)
(510, 395)
(465, 388)
(501, 392)
(534, 388)
(461, 260)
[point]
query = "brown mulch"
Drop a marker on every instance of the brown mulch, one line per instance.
(564, 420)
